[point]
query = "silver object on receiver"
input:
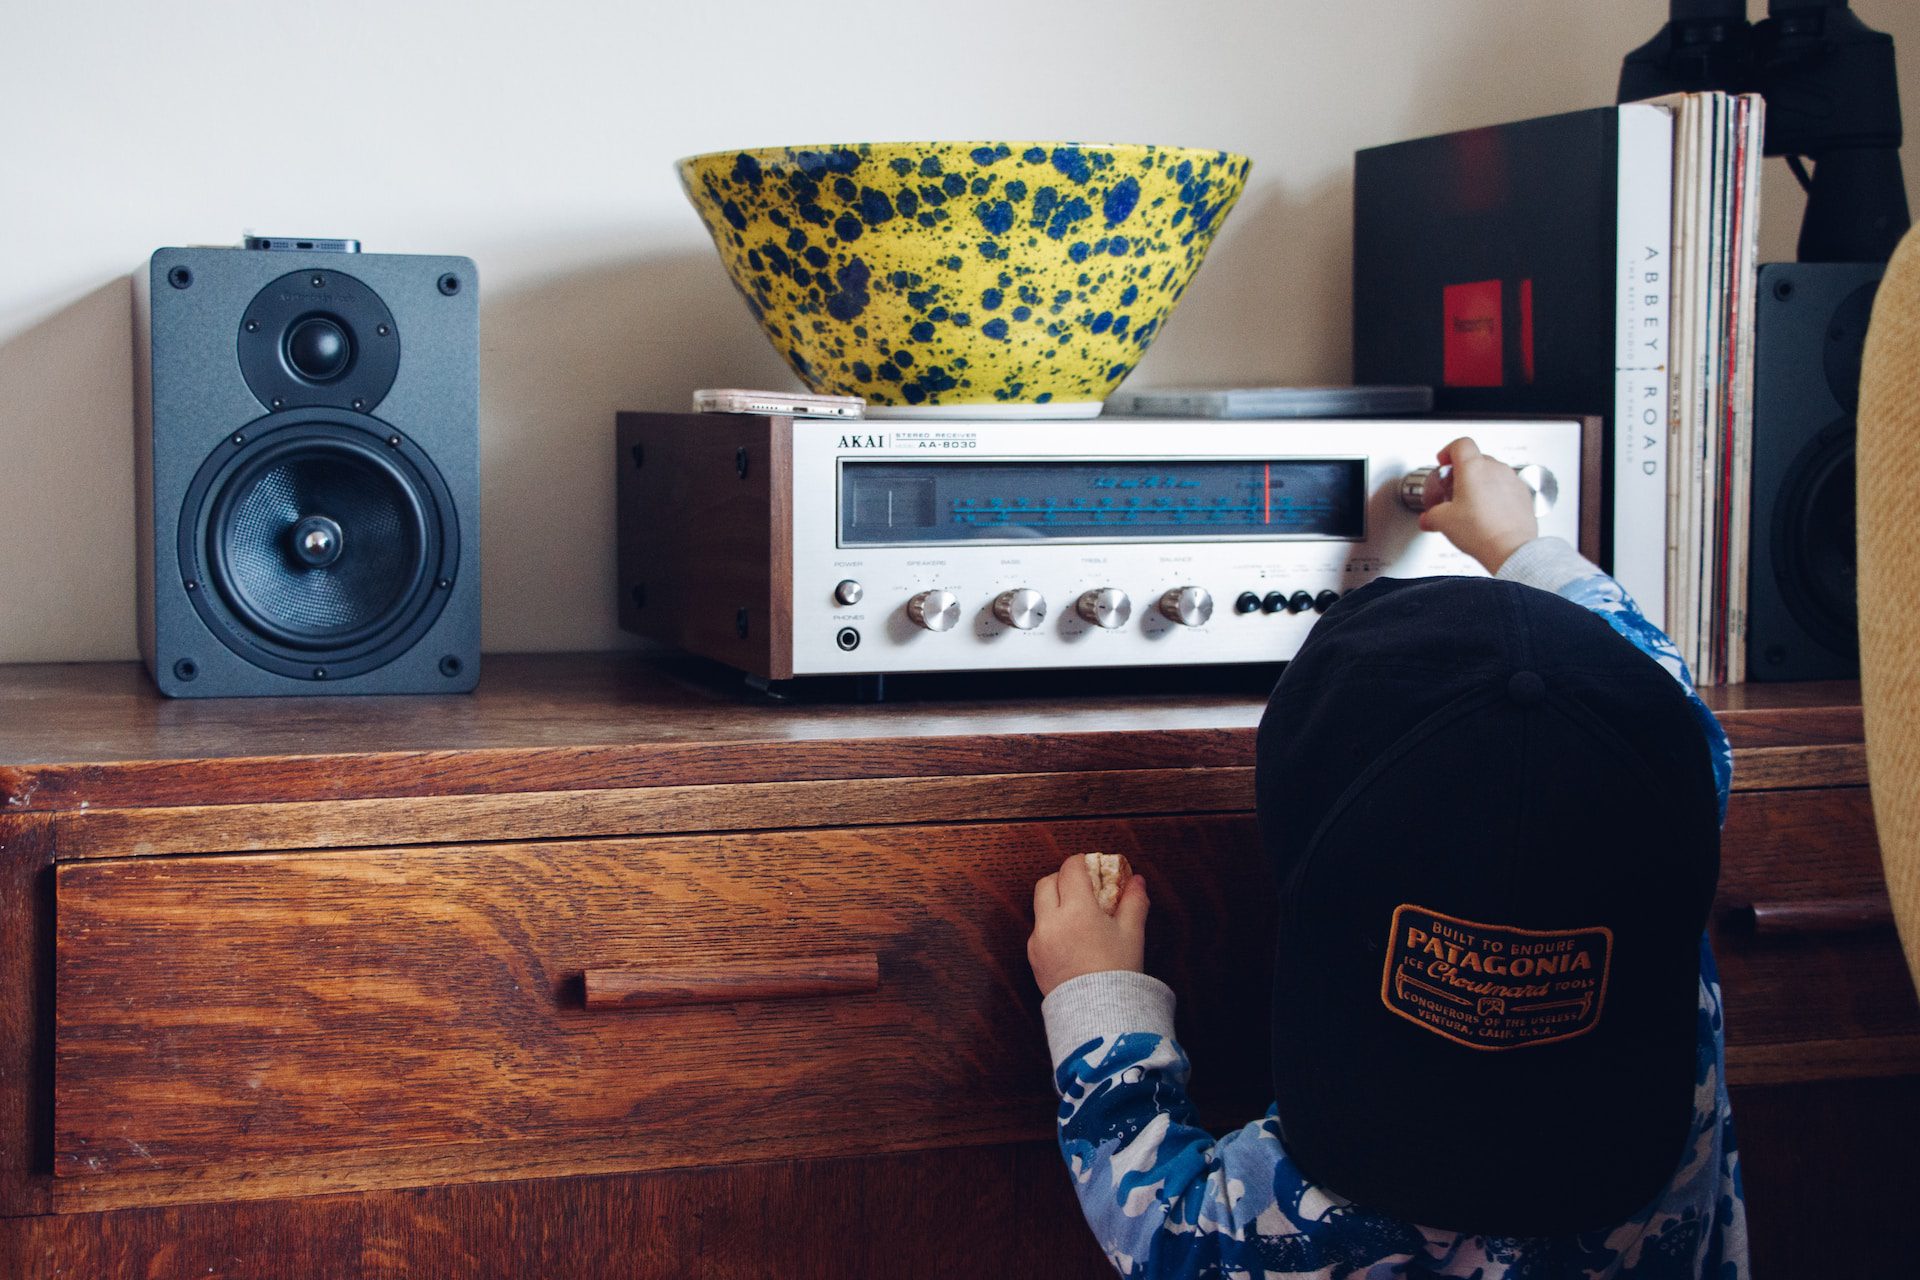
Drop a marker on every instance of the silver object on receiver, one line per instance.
(1106, 607)
(849, 592)
(1022, 607)
(935, 610)
(1426, 487)
(1188, 606)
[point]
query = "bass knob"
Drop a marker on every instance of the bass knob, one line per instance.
(1022, 607)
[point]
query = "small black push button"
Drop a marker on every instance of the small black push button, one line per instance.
(1299, 602)
(1324, 601)
(1274, 601)
(1247, 603)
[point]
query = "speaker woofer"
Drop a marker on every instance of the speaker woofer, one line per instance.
(319, 544)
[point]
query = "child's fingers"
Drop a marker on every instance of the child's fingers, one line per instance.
(1459, 452)
(1046, 896)
(1075, 885)
(1132, 909)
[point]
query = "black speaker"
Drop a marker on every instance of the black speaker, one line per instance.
(308, 472)
(1811, 323)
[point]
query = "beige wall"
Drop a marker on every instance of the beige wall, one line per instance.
(538, 140)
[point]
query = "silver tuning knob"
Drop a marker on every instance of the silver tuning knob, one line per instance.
(1188, 606)
(934, 610)
(1426, 487)
(1023, 607)
(1104, 607)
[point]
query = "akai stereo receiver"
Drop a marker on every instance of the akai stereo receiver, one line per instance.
(793, 547)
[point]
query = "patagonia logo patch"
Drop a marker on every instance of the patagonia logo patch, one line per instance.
(1491, 987)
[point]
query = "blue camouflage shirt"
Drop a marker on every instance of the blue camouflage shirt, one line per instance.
(1167, 1199)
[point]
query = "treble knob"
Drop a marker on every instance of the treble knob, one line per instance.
(1023, 607)
(1424, 488)
(934, 610)
(1105, 607)
(1188, 606)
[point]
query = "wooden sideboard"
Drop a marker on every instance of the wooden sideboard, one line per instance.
(300, 987)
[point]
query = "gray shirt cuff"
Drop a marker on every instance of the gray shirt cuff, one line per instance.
(1103, 1005)
(1546, 563)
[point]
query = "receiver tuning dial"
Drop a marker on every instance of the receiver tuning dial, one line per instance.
(1188, 606)
(934, 610)
(1022, 607)
(1105, 607)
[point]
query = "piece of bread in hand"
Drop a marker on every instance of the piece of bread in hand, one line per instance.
(1109, 873)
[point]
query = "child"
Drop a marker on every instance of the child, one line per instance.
(1493, 818)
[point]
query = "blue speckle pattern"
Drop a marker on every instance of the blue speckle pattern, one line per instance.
(849, 255)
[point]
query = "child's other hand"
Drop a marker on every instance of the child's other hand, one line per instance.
(1073, 936)
(1489, 513)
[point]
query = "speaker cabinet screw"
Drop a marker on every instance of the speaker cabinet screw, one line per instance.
(239, 438)
(180, 278)
(394, 441)
(382, 330)
(253, 326)
(444, 583)
(319, 673)
(358, 403)
(1783, 289)
(185, 669)
(450, 666)
(449, 284)
(278, 403)
(191, 585)
(319, 282)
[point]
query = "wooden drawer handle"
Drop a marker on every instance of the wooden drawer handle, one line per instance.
(1820, 915)
(774, 978)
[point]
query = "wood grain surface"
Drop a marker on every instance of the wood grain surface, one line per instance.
(26, 1012)
(258, 1025)
(332, 824)
(1791, 847)
(705, 535)
(97, 735)
(1003, 1211)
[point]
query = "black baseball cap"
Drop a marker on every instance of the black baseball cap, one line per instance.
(1495, 834)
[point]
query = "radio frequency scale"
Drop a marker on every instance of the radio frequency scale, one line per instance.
(805, 547)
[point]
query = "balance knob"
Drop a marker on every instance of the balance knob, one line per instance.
(934, 610)
(1188, 606)
(1023, 607)
(1104, 607)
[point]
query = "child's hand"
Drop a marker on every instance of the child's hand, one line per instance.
(1073, 936)
(1489, 513)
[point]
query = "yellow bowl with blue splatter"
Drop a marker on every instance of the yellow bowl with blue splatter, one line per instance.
(951, 278)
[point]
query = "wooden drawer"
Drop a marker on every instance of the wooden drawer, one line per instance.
(1827, 992)
(243, 1026)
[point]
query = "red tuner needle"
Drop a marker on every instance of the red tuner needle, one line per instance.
(1266, 494)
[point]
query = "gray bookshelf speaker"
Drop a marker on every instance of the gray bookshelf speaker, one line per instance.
(1810, 326)
(308, 472)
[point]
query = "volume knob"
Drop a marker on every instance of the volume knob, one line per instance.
(1023, 607)
(934, 610)
(1105, 607)
(1188, 606)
